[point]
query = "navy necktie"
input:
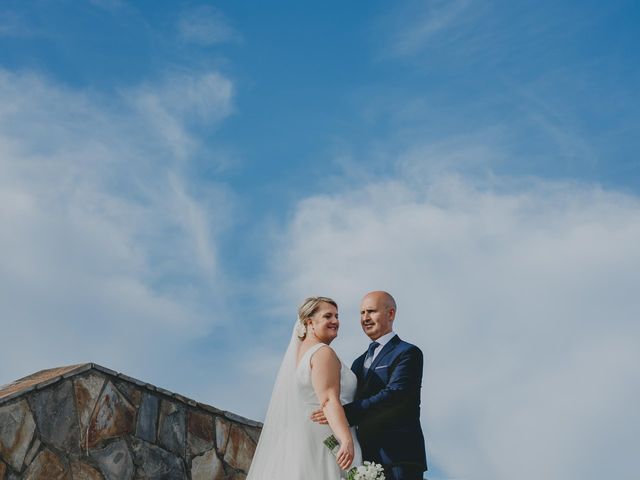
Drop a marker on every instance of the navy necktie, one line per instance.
(368, 360)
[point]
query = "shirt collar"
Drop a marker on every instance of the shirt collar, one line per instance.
(384, 339)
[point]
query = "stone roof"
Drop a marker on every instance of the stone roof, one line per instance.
(45, 378)
(87, 421)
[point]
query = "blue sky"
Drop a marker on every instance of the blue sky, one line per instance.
(175, 177)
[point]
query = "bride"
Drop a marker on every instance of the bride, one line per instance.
(291, 445)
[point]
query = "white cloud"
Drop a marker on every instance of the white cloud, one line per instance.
(179, 101)
(476, 35)
(523, 298)
(109, 247)
(423, 21)
(206, 26)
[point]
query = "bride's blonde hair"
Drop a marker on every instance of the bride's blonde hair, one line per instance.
(310, 306)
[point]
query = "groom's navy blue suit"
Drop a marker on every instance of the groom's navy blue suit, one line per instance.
(386, 409)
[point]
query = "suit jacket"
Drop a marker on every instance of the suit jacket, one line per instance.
(386, 408)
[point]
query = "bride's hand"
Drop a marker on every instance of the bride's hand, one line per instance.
(344, 457)
(319, 417)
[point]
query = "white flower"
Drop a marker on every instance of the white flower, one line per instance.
(301, 330)
(368, 471)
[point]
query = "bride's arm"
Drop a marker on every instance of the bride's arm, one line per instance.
(325, 377)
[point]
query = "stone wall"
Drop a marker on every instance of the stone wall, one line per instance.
(92, 423)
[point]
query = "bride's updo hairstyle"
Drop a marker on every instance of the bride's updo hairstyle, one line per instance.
(307, 310)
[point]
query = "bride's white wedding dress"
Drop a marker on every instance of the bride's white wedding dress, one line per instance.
(322, 461)
(291, 445)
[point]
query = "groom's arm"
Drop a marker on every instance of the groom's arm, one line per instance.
(405, 379)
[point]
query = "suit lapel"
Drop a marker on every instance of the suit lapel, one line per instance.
(357, 366)
(357, 369)
(386, 350)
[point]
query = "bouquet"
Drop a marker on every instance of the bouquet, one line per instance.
(367, 471)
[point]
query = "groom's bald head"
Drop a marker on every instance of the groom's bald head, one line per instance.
(384, 298)
(377, 312)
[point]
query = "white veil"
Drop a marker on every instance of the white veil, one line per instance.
(278, 450)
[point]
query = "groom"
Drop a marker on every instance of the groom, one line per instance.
(386, 409)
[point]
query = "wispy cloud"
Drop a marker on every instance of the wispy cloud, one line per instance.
(180, 101)
(108, 4)
(428, 19)
(491, 37)
(14, 25)
(207, 26)
(109, 246)
(558, 125)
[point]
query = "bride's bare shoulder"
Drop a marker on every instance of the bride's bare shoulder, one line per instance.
(324, 355)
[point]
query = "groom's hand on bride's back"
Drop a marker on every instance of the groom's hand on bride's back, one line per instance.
(318, 417)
